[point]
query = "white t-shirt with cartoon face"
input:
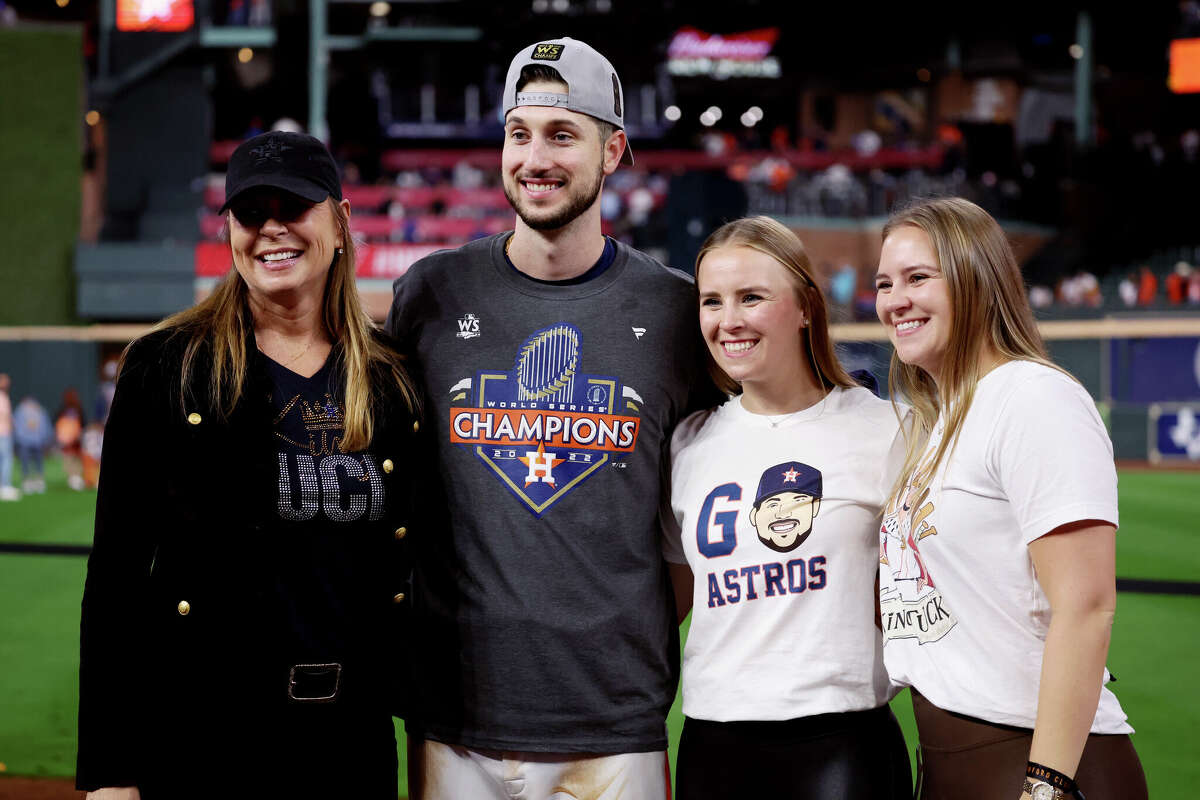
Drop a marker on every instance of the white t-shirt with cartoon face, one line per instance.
(777, 520)
(964, 618)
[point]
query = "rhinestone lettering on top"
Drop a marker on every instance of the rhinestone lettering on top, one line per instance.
(333, 492)
(377, 491)
(310, 490)
(316, 476)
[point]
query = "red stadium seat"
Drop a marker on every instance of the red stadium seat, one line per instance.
(366, 198)
(482, 199)
(374, 226)
(414, 199)
(214, 195)
(211, 224)
(456, 229)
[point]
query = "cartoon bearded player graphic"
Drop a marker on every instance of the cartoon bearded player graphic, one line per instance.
(789, 496)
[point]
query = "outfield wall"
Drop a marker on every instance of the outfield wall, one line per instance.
(1144, 372)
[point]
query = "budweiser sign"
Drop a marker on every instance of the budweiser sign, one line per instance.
(690, 43)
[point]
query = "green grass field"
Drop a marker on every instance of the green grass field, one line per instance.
(1156, 640)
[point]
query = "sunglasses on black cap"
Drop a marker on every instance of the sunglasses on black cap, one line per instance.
(255, 207)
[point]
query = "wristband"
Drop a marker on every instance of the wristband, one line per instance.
(1064, 786)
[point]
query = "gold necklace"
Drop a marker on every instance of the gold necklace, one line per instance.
(297, 356)
(300, 355)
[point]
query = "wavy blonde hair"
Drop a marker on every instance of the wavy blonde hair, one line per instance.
(221, 322)
(989, 307)
(776, 240)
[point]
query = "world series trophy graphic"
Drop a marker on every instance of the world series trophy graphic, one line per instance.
(545, 427)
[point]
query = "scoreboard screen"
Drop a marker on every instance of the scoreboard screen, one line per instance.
(154, 15)
(1185, 66)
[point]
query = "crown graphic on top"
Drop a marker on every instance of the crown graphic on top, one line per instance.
(324, 415)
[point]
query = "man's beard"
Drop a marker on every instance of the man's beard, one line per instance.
(577, 205)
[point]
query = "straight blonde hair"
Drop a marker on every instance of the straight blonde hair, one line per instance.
(222, 321)
(989, 306)
(778, 241)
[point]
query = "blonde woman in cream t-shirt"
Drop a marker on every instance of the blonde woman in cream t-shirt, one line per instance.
(997, 579)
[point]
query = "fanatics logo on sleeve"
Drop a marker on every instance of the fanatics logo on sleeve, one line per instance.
(545, 427)
(547, 52)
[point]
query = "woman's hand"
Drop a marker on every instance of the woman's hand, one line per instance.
(115, 793)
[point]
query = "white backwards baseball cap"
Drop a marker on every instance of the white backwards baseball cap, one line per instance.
(593, 87)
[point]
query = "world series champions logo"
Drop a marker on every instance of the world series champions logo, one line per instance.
(545, 427)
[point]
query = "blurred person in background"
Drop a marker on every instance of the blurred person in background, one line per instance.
(246, 596)
(68, 433)
(106, 390)
(1127, 290)
(91, 447)
(549, 646)
(823, 453)
(1008, 500)
(842, 287)
(32, 434)
(1176, 283)
(7, 490)
(1041, 296)
(1147, 286)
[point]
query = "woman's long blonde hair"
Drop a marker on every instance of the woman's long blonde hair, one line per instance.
(989, 306)
(776, 240)
(220, 324)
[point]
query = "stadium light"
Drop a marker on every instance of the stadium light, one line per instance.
(707, 119)
(672, 113)
(1076, 51)
(749, 120)
(245, 54)
(715, 112)
(755, 112)
(92, 118)
(379, 9)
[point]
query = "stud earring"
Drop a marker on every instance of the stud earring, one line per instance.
(340, 251)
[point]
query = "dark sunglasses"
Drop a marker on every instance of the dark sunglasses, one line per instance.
(258, 207)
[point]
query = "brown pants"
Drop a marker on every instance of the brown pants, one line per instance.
(963, 757)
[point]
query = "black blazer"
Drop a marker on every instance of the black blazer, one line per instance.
(179, 637)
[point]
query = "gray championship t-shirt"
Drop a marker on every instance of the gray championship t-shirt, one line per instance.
(544, 620)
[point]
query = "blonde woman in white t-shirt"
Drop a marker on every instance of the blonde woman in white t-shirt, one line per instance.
(997, 577)
(771, 539)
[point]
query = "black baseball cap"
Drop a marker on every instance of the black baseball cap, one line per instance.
(295, 162)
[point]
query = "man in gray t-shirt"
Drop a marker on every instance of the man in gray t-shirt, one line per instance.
(556, 363)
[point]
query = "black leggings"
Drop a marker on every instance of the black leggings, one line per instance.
(857, 755)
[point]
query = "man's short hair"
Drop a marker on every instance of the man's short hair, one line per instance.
(535, 73)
